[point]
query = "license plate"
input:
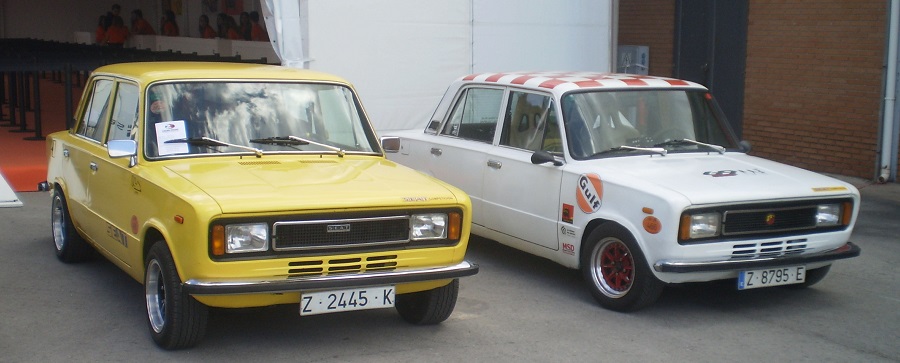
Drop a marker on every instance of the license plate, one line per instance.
(335, 301)
(753, 279)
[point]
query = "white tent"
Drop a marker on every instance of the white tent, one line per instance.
(402, 54)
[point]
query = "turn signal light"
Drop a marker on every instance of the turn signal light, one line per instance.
(218, 240)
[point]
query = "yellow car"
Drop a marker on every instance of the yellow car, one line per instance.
(236, 185)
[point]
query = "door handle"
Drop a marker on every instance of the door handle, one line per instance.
(436, 151)
(93, 166)
(65, 153)
(494, 164)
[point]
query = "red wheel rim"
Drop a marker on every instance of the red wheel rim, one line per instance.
(617, 266)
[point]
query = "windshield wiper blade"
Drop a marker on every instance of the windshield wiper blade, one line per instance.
(657, 150)
(278, 140)
(206, 141)
(717, 148)
(294, 140)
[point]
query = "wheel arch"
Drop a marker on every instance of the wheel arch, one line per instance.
(596, 223)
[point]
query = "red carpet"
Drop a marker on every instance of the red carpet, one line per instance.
(24, 162)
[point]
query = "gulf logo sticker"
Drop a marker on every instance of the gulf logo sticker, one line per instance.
(590, 193)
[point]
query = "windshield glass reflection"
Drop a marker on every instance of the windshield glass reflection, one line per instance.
(235, 114)
(597, 122)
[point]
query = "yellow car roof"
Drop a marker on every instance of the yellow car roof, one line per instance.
(147, 72)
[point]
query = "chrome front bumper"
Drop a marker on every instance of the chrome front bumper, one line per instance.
(337, 281)
(846, 251)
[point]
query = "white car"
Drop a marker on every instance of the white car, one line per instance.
(637, 181)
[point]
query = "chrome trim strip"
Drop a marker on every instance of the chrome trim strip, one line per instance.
(326, 221)
(334, 281)
(846, 251)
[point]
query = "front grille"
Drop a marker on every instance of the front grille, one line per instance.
(344, 265)
(737, 222)
(768, 249)
(331, 233)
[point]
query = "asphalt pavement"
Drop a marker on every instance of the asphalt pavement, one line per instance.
(519, 308)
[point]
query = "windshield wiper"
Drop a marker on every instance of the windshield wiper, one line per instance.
(205, 141)
(657, 150)
(277, 140)
(717, 148)
(294, 140)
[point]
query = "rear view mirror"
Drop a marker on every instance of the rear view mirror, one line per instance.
(390, 144)
(541, 157)
(123, 149)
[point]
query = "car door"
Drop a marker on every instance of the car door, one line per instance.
(114, 185)
(457, 150)
(521, 199)
(80, 162)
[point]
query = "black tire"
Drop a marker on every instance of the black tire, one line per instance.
(812, 277)
(428, 307)
(176, 320)
(616, 271)
(70, 246)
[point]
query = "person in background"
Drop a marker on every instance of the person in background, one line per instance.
(257, 33)
(102, 24)
(227, 27)
(206, 31)
(116, 10)
(139, 25)
(117, 33)
(244, 26)
(169, 26)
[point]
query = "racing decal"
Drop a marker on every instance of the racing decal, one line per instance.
(568, 213)
(652, 224)
(568, 232)
(568, 249)
(590, 193)
(722, 173)
(828, 189)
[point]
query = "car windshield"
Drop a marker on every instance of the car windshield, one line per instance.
(192, 118)
(601, 123)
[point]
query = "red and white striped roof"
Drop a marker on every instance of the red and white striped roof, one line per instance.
(566, 81)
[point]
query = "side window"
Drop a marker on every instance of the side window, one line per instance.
(530, 123)
(475, 114)
(90, 124)
(125, 113)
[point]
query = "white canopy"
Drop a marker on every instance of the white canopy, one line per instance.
(402, 54)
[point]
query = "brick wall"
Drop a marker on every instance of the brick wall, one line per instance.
(814, 83)
(814, 77)
(652, 23)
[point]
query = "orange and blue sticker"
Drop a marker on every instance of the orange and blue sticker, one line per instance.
(590, 193)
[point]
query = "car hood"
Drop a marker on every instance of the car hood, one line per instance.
(269, 185)
(731, 177)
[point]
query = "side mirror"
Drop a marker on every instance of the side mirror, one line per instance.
(390, 144)
(745, 146)
(123, 149)
(541, 157)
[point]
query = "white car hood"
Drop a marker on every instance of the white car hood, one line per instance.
(717, 178)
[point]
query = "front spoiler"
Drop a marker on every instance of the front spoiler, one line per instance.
(336, 281)
(846, 251)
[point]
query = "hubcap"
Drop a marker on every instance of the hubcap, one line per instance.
(58, 223)
(155, 289)
(613, 268)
